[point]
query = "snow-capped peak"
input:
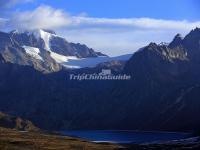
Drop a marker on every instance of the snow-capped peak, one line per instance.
(45, 35)
(70, 61)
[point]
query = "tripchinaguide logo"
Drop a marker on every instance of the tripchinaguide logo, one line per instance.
(105, 74)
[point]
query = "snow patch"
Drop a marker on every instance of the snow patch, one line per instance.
(33, 51)
(74, 62)
(90, 62)
(61, 58)
(46, 38)
(41, 34)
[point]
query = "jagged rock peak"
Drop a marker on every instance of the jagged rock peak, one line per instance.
(196, 29)
(152, 45)
(195, 33)
(178, 37)
(176, 41)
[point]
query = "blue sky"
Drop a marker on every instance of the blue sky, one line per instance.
(112, 26)
(159, 9)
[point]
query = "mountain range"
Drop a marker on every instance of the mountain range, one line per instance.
(163, 93)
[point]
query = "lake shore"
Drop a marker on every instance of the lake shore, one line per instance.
(185, 144)
(125, 136)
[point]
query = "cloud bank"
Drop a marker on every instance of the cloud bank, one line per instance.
(112, 36)
(48, 17)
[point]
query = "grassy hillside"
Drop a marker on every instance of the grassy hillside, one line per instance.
(15, 140)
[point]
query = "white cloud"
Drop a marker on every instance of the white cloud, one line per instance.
(121, 36)
(12, 3)
(41, 17)
(3, 22)
(145, 23)
(112, 36)
(118, 42)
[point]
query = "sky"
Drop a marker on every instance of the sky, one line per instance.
(114, 27)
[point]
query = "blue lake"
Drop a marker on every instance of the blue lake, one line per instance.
(123, 137)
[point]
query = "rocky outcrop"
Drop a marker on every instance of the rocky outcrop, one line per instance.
(17, 123)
